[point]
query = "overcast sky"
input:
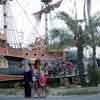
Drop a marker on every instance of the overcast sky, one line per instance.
(22, 11)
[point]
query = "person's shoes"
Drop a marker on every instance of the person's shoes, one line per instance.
(27, 98)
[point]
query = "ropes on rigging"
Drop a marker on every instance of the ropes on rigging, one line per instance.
(12, 32)
(25, 13)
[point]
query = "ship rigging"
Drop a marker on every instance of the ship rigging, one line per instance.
(11, 41)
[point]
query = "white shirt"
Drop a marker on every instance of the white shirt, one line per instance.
(26, 65)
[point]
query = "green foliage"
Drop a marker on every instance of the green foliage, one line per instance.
(83, 38)
(72, 23)
(6, 85)
(61, 35)
(54, 83)
(74, 27)
(58, 46)
(98, 71)
(77, 31)
(93, 75)
(55, 46)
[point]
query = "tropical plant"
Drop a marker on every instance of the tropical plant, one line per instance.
(93, 75)
(82, 37)
(93, 24)
(61, 36)
(78, 36)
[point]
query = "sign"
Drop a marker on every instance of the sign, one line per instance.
(3, 62)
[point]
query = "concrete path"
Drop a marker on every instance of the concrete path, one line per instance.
(89, 97)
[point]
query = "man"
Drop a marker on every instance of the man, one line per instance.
(27, 77)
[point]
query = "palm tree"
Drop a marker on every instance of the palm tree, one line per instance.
(61, 37)
(93, 23)
(82, 37)
(91, 31)
(78, 36)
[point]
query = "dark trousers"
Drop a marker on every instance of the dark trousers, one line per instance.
(27, 90)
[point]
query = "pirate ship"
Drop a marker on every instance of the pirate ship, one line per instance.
(12, 53)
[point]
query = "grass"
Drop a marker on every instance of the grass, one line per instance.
(78, 93)
(58, 91)
(75, 91)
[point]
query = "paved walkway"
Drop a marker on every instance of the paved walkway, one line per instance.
(89, 97)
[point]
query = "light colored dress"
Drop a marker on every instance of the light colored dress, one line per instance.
(35, 82)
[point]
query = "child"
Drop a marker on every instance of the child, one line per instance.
(42, 83)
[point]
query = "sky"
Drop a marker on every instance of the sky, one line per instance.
(22, 11)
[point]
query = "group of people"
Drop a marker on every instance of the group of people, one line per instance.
(58, 68)
(35, 79)
(36, 73)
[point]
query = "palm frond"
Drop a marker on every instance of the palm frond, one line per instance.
(70, 22)
(56, 33)
(61, 37)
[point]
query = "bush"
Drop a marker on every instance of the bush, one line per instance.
(53, 83)
(93, 75)
(98, 75)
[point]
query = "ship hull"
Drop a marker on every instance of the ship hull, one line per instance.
(4, 78)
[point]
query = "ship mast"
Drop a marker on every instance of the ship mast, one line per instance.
(5, 17)
(3, 36)
(46, 4)
(47, 7)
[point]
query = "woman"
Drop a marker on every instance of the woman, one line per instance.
(27, 78)
(36, 73)
(37, 79)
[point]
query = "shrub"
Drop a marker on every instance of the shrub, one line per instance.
(98, 75)
(93, 75)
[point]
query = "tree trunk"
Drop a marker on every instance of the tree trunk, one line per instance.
(94, 77)
(93, 68)
(80, 58)
(81, 65)
(94, 50)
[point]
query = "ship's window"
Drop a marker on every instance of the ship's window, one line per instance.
(26, 54)
(5, 14)
(5, 26)
(42, 54)
(38, 48)
(35, 54)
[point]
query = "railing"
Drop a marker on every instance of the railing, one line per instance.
(3, 51)
(16, 52)
(11, 52)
